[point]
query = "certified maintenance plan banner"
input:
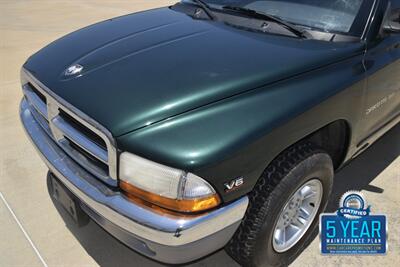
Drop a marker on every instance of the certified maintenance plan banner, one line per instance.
(352, 229)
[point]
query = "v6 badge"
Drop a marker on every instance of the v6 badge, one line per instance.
(233, 184)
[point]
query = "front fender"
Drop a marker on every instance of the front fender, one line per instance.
(241, 135)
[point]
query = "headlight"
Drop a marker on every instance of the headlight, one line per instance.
(164, 186)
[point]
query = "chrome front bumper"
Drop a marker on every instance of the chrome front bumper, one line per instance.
(167, 238)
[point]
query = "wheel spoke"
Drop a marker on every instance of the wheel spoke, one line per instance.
(292, 230)
(301, 220)
(280, 235)
(296, 224)
(280, 224)
(284, 235)
(309, 193)
(305, 191)
(304, 212)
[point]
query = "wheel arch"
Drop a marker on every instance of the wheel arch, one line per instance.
(334, 138)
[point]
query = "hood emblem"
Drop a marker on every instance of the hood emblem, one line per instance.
(73, 70)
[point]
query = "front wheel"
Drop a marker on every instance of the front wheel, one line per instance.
(282, 217)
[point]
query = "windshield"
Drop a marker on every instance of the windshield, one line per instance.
(343, 16)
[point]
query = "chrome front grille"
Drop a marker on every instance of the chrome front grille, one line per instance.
(84, 140)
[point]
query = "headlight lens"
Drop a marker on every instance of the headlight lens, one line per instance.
(165, 186)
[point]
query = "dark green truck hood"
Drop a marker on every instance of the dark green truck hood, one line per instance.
(149, 66)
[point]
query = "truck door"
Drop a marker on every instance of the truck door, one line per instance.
(383, 69)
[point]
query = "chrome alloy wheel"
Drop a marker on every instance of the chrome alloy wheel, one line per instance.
(297, 215)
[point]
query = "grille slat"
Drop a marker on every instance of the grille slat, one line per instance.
(35, 100)
(83, 142)
(85, 159)
(80, 139)
(93, 137)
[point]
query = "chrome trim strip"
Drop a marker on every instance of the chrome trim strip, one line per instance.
(35, 100)
(40, 119)
(54, 102)
(80, 140)
(141, 221)
(369, 20)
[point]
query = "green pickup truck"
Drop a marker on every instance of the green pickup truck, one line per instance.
(213, 124)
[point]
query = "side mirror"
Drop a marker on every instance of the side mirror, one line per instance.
(392, 23)
(391, 27)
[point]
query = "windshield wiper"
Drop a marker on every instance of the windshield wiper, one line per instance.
(205, 7)
(254, 13)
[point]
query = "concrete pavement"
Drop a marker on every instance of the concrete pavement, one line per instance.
(35, 232)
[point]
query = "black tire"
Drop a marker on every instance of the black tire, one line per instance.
(252, 243)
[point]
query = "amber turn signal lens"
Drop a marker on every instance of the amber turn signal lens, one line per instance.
(179, 205)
